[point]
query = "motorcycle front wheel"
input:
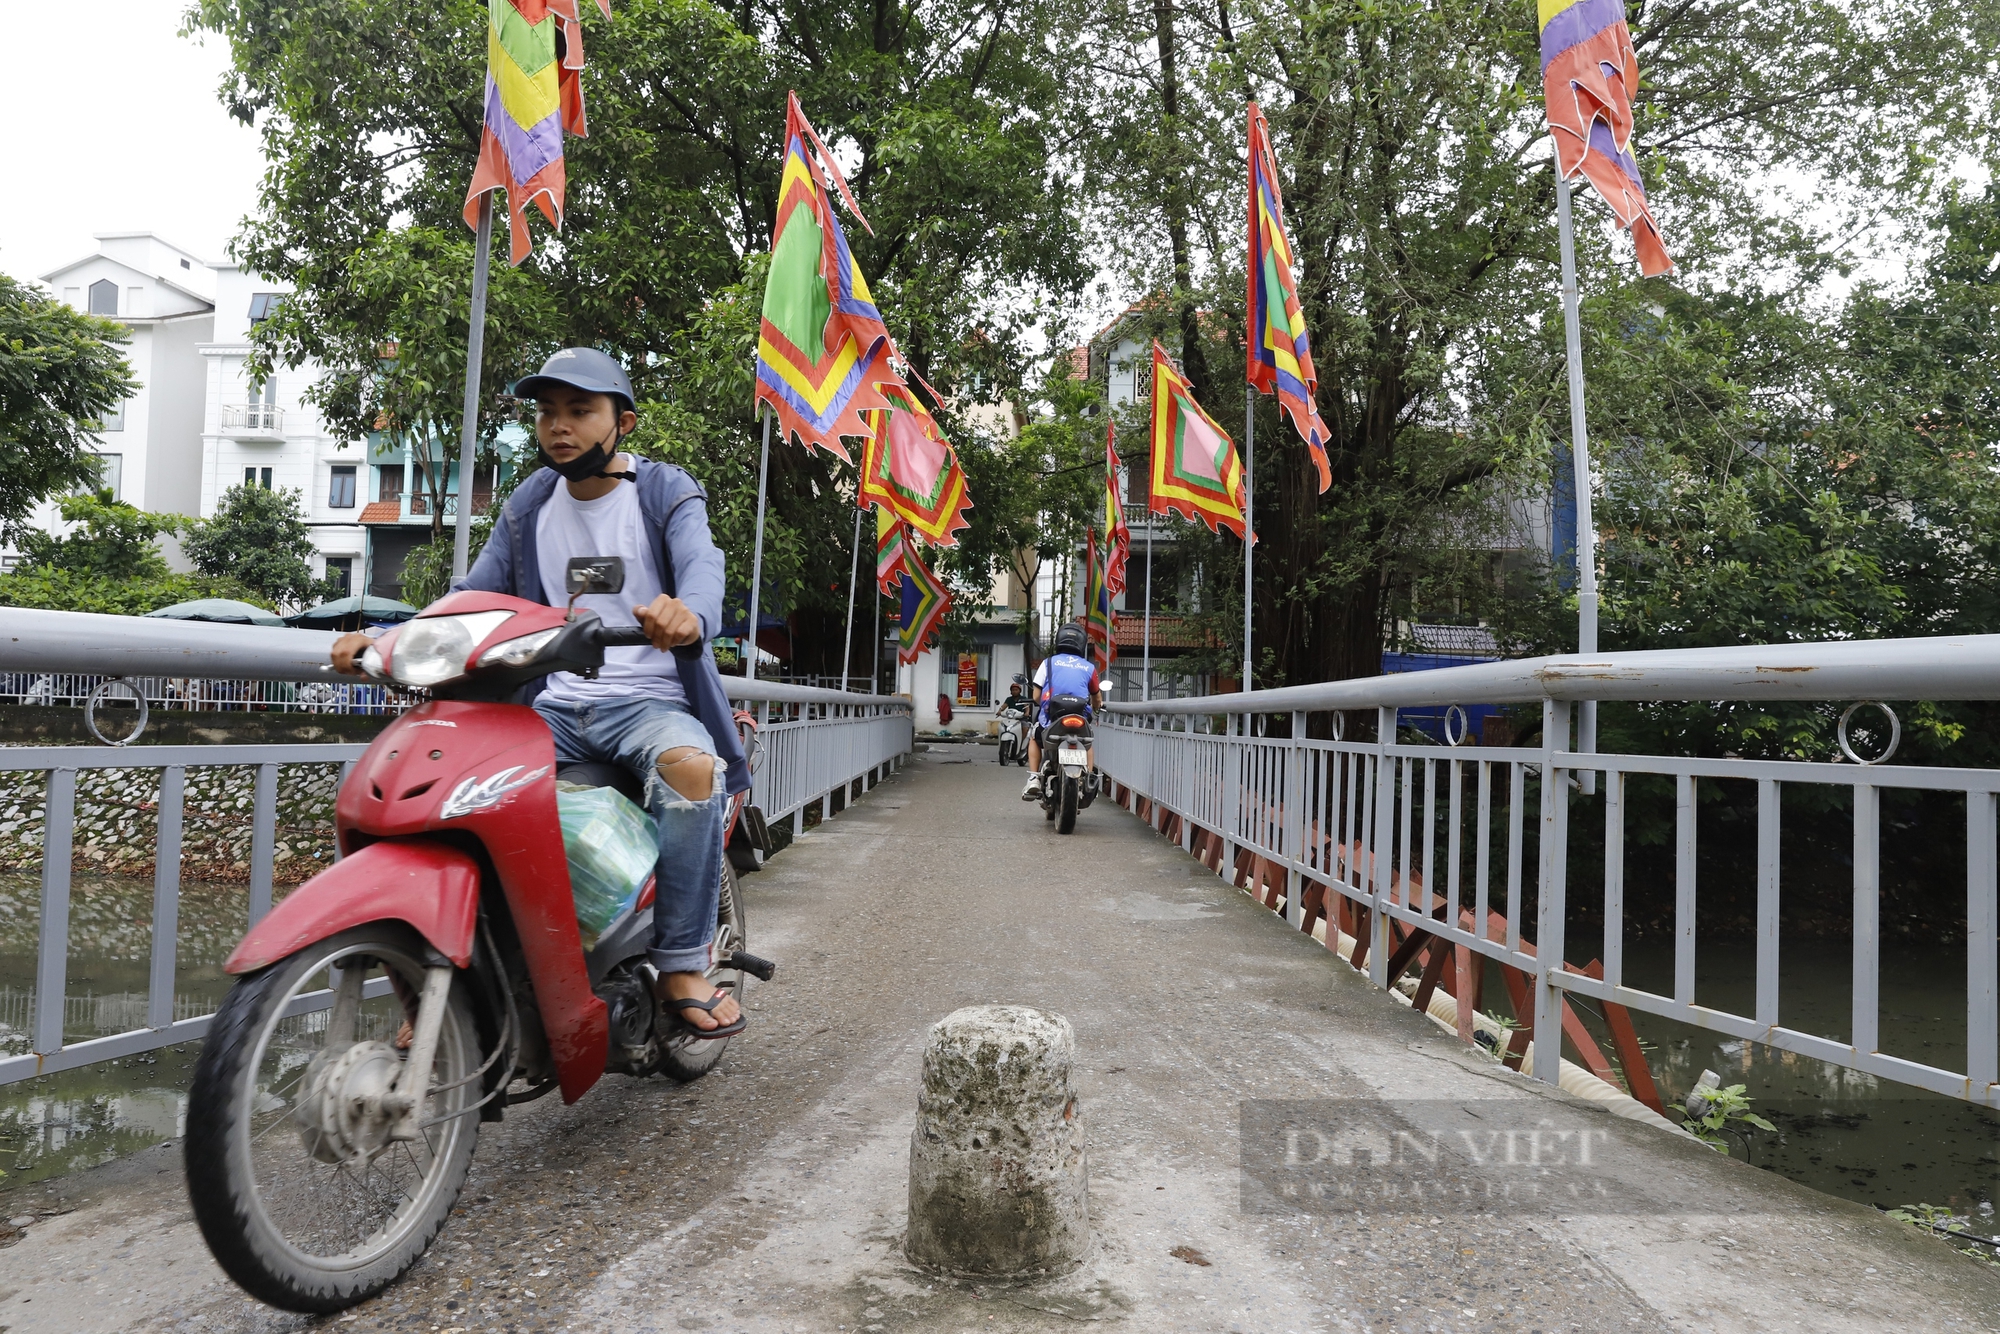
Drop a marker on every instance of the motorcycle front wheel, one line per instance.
(685, 1057)
(1006, 750)
(302, 1218)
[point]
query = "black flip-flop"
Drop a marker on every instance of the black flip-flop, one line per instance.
(708, 1006)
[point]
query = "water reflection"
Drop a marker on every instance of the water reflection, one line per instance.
(1840, 1131)
(66, 1122)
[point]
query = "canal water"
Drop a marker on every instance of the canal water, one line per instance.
(1838, 1131)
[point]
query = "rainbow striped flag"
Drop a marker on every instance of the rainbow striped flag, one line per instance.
(909, 469)
(925, 602)
(1117, 537)
(1589, 73)
(1100, 622)
(534, 92)
(1196, 471)
(822, 349)
(1280, 354)
(891, 544)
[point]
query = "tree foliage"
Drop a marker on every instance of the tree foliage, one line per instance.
(259, 539)
(61, 372)
(114, 541)
(1421, 205)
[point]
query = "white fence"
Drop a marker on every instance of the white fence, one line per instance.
(1411, 844)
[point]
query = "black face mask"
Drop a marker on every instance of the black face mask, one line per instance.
(591, 463)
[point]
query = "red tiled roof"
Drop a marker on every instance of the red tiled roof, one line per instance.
(382, 511)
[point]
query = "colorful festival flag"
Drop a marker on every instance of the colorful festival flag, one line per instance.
(1280, 354)
(909, 469)
(1589, 73)
(534, 92)
(891, 544)
(1117, 537)
(925, 603)
(1196, 471)
(822, 350)
(1100, 622)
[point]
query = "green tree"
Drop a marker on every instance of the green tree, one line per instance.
(116, 540)
(391, 334)
(259, 539)
(72, 590)
(61, 372)
(1421, 205)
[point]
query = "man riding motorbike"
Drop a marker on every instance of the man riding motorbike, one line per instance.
(659, 711)
(1067, 671)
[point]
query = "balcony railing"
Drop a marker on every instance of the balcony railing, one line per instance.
(253, 421)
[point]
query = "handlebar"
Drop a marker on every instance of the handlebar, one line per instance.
(621, 636)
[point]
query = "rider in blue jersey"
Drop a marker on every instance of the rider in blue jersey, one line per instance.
(1067, 671)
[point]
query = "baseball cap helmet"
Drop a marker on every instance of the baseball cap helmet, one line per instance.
(1071, 639)
(582, 368)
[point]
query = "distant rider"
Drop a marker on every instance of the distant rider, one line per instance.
(1067, 671)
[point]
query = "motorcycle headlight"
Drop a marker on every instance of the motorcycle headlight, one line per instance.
(518, 652)
(432, 650)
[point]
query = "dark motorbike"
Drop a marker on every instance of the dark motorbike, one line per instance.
(1069, 784)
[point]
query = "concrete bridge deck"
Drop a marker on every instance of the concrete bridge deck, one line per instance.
(769, 1196)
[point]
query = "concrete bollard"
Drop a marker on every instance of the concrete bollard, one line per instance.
(997, 1178)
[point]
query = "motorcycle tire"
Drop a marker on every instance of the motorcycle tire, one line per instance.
(687, 1058)
(1066, 821)
(1006, 755)
(280, 1220)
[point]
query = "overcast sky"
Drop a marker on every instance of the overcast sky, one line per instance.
(117, 128)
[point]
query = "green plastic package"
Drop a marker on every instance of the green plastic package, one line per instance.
(612, 847)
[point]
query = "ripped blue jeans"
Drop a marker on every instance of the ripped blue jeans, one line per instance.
(634, 732)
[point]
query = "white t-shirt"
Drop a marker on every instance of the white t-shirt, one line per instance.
(608, 526)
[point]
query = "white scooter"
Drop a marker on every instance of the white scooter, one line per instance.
(1014, 733)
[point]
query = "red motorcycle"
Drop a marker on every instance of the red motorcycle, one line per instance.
(435, 974)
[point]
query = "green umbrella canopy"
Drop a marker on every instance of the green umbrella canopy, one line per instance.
(224, 611)
(341, 609)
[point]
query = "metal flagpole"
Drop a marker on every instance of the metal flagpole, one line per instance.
(853, 571)
(475, 351)
(1579, 444)
(875, 659)
(1249, 532)
(757, 554)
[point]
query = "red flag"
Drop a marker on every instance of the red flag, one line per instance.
(1589, 72)
(1117, 537)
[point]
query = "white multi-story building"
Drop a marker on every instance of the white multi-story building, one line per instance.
(264, 432)
(164, 296)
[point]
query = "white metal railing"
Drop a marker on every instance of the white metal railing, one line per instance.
(340, 695)
(255, 419)
(1449, 843)
(812, 743)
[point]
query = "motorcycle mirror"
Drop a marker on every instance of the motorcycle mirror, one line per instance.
(594, 574)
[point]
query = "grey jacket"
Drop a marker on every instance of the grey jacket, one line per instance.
(676, 517)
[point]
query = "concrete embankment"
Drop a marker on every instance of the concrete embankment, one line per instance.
(772, 1195)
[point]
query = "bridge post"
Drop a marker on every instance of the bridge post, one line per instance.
(1295, 821)
(1382, 854)
(1232, 796)
(1550, 885)
(52, 953)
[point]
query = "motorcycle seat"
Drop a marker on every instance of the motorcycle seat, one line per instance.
(592, 773)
